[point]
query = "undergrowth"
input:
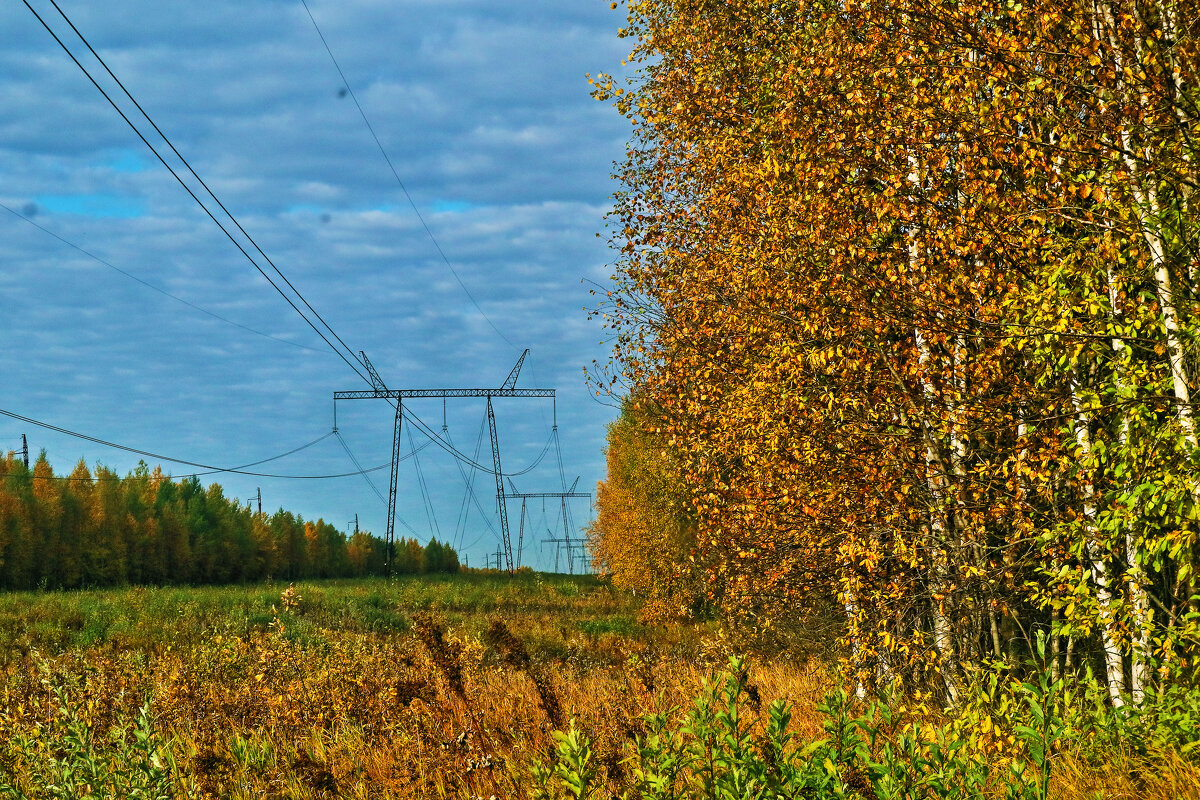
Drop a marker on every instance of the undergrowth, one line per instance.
(1006, 741)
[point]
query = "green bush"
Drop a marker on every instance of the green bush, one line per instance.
(725, 748)
(65, 761)
(711, 752)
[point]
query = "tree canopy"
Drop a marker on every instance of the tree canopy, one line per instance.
(91, 529)
(912, 289)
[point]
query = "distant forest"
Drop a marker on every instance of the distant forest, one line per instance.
(101, 529)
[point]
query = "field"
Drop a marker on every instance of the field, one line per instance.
(347, 688)
(428, 687)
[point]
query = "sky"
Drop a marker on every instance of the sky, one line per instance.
(128, 315)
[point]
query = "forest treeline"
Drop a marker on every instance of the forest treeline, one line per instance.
(92, 529)
(906, 315)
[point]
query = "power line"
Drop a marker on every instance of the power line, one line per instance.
(412, 418)
(211, 469)
(201, 180)
(318, 440)
(149, 285)
(425, 501)
(460, 525)
(449, 448)
(396, 175)
(568, 519)
(182, 183)
(355, 365)
(458, 454)
(355, 368)
(371, 483)
(536, 461)
(366, 477)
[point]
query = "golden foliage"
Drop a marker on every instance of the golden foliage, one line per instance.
(911, 288)
(643, 534)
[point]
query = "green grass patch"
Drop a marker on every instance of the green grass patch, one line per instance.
(623, 626)
(150, 618)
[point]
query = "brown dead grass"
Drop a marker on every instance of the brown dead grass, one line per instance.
(1126, 776)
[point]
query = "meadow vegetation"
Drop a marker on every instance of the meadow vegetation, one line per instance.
(481, 685)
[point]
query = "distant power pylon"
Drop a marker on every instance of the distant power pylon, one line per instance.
(492, 563)
(379, 390)
(562, 496)
(572, 546)
(25, 451)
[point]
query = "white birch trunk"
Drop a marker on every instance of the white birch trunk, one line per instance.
(1148, 212)
(943, 636)
(935, 476)
(1114, 661)
(850, 606)
(1135, 575)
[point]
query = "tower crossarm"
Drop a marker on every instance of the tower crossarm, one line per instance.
(549, 494)
(395, 394)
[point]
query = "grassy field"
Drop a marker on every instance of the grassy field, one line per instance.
(455, 687)
(363, 688)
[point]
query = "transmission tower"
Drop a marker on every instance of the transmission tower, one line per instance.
(379, 390)
(572, 546)
(25, 451)
(561, 496)
(488, 563)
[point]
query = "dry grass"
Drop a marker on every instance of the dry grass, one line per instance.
(455, 701)
(1126, 776)
(406, 690)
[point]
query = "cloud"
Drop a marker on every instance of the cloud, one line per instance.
(92, 205)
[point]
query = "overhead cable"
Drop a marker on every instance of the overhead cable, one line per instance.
(201, 180)
(425, 499)
(461, 456)
(536, 461)
(412, 418)
(460, 525)
(449, 448)
(366, 477)
(437, 246)
(211, 469)
(318, 440)
(242, 466)
(355, 364)
(371, 483)
(182, 183)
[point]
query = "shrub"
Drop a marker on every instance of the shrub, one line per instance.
(63, 760)
(726, 748)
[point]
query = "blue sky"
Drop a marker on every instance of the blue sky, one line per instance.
(484, 110)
